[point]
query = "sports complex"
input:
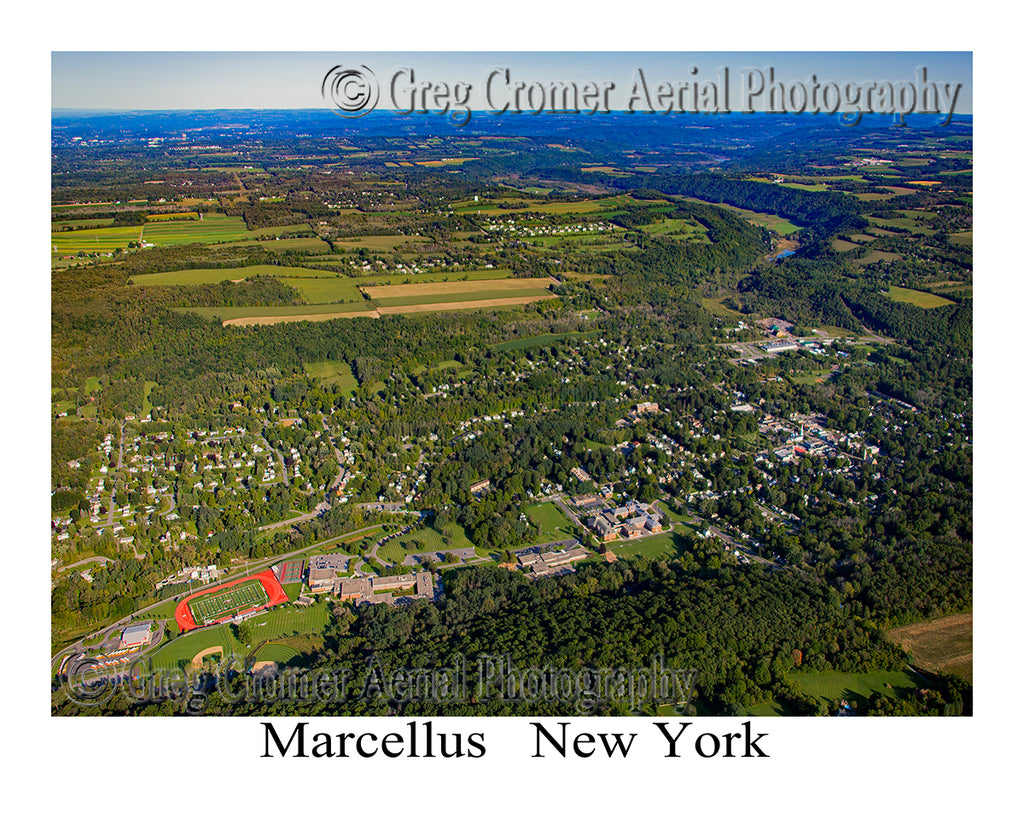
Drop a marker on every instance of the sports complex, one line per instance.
(228, 600)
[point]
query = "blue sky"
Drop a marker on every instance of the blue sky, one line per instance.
(200, 80)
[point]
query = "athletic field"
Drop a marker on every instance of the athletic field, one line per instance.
(222, 602)
(213, 607)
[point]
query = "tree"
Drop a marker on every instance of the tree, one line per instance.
(244, 632)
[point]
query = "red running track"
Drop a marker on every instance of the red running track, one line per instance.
(186, 622)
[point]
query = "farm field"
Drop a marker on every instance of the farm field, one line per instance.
(490, 207)
(457, 297)
(391, 295)
(386, 279)
(842, 245)
(876, 256)
(687, 230)
(917, 222)
(918, 297)
(273, 315)
(945, 645)
(298, 245)
(603, 242)
(213, 228)
(322, 290)
(207, 275)
(552, 522)
(385, 242)
(482, 303)
(94, 240)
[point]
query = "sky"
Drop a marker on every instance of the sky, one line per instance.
(249, 80)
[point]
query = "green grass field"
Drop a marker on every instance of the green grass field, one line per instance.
(184, 648)
(918, 297)
(288, 621)
(427, 539)
(279, 653)
(717, 308)
(552, 522)
(280, 624)
(147, 388)
(333, 372)
(664, 545)
(831, 686)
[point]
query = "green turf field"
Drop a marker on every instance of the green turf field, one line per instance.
(208, 608)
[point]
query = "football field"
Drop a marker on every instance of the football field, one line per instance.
(244, 596)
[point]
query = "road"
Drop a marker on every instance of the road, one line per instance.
(732, 543)
(96, 559)
(256, 566)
